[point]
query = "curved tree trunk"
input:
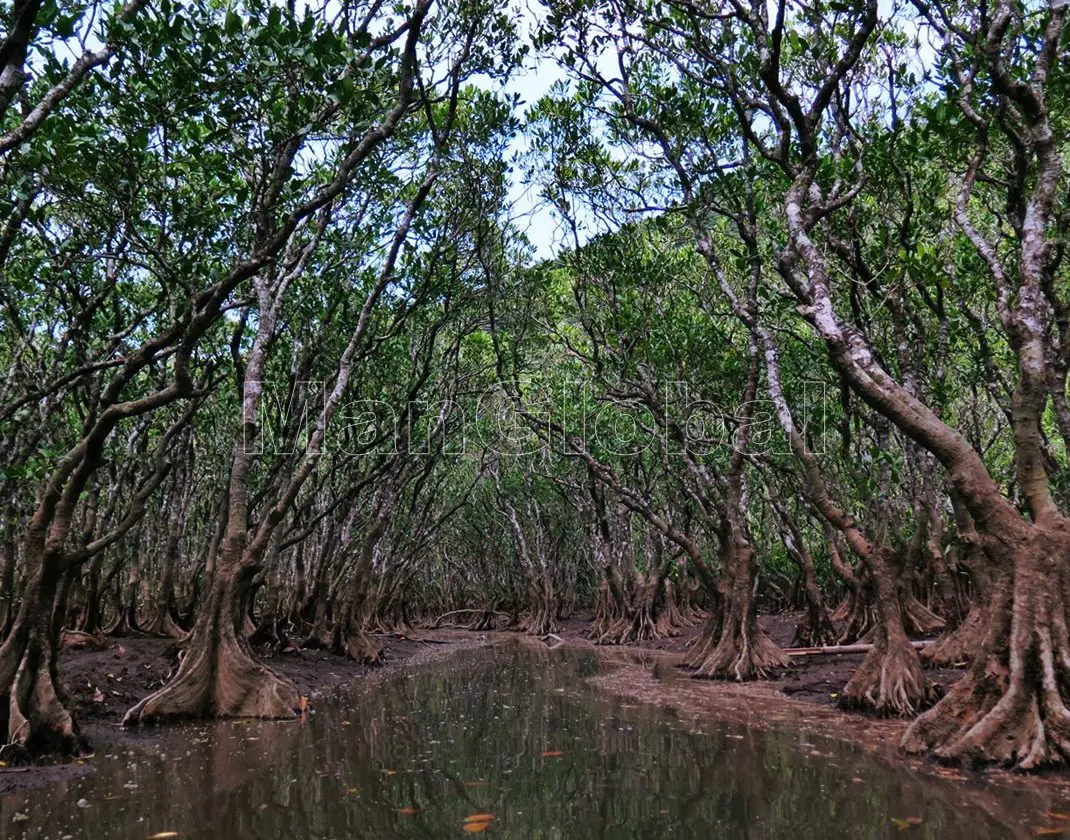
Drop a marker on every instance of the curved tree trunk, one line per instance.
(816, 629)
(90, 620)
(8, 558)
(34, 710)
(349, 636)
(126, 623)
(219, 675)
(890, 680)
(733, 646)
(540, 618)
(958, 647)
(1010, 708)
(163, 622)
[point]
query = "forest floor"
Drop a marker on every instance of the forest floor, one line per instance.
(814, 679)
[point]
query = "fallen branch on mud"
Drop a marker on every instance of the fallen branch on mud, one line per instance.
(458, 612)
(841, 649)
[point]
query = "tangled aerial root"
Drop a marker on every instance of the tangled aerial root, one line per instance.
(606, 614)
(958, 647)
(815, 630)
(890, 682)
(637, 627)
(990, 717)
(38, 721)
(221, 680)
(918, 619)
(539, 621)
(78, 639)
(361, 647)
(740, 651)
(163, 624)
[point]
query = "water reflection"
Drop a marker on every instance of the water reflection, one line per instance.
(513, 732)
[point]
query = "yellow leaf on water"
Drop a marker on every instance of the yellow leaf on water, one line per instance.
(389, 772)
(161, 835)
(1056, 815)
(408, 809)
(475, 823)
(552, 754)
(352, 791)
(1047, 831)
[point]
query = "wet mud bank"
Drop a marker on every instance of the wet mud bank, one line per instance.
(802, 701)
(104, 683)
(814, 679)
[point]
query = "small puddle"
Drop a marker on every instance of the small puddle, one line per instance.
(510, 741)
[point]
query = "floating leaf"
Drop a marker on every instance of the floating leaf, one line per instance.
(408, 809)
(475, 823)
(552, 754)
(98, 696)
(1056, 815)
(302, 704)
(1047, 831)
(389, 772)
(161, 835)
(903, 823)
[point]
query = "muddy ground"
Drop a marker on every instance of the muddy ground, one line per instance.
(105, 683)
(815, 679)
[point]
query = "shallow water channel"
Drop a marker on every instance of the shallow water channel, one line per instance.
(506, 741)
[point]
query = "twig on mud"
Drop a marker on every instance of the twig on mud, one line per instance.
(837, 649)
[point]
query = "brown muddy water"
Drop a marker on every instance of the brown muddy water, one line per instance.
(509, 741)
